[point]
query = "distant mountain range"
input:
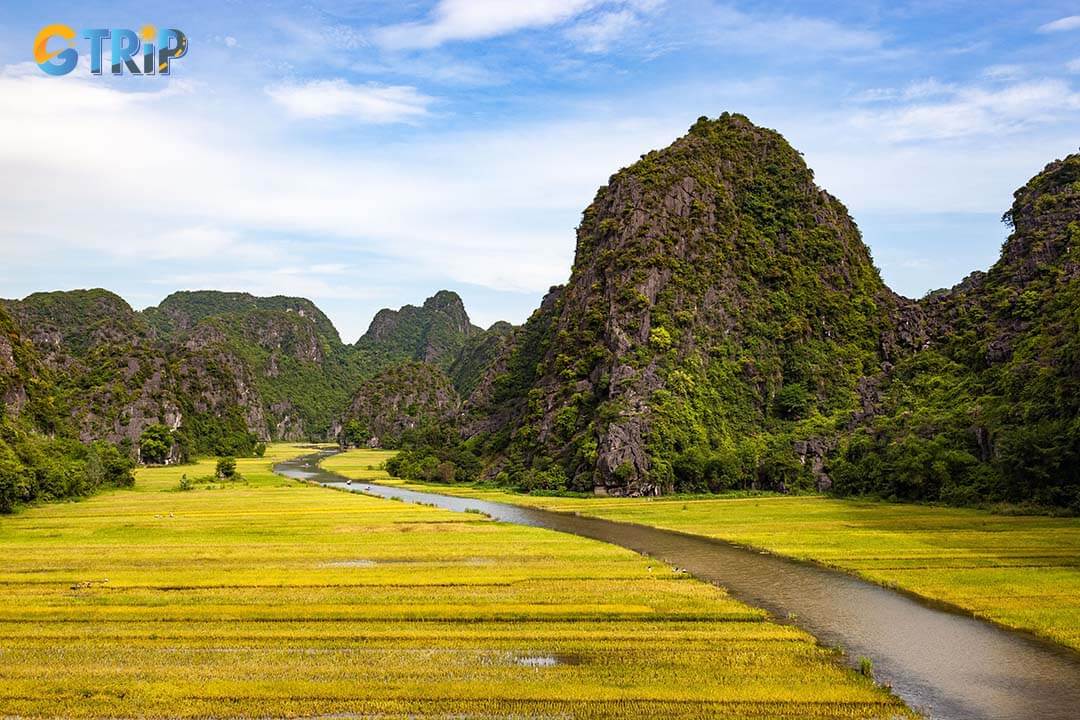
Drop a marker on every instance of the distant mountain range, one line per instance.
(723, 327)
(212, 364)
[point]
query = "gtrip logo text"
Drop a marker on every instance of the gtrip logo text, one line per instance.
(147, 52)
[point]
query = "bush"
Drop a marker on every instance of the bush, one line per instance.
(793, 401)
(779, 468)
(445, 471)
(433, 453)
(226, 468)
(33, 467)
(155, 444)
(13, 481)
(660, 338)
(353, 434)
(548, 480)
(698, 470)
(116, 467)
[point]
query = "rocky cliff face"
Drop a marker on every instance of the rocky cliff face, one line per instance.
(20, 368)
(478, 353)
(428, 358)
(724, 326)
(210, 364)
(291, 372)
(990, 405)
(39, 457)
(181, 311)
(716, 291)
(110, 375)
(219, 367)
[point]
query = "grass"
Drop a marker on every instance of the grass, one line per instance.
(1022, 572)
(273, 598)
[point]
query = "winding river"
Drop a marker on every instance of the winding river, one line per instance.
(944, 663)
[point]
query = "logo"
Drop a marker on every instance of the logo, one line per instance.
(147, 52)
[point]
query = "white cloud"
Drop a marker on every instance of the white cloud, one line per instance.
(313, 35)
(931, 87)
(193, 242)
(493, 209)
(230, 41)
(1003, 72)
(975, 111)
(599, 34)
(1072, 22)
(372, 103)
(306, 282)
(763, 34)
(873, 95)
(871, 174)
(478, 19)
(596, 25)
(1073, 66)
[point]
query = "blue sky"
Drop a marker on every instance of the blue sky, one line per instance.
(366, 154)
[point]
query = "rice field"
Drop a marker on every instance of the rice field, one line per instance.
(272, 598)
(1022, 572)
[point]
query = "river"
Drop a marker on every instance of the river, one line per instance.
(944, 663)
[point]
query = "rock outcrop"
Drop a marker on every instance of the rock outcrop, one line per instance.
(710, 279)
(434, 333)
(402, 398)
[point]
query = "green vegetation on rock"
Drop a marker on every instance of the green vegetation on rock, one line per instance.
(434, 333)
(721, 308)
(989, 409)
(39, 457)
(724, 327)
(398, 400)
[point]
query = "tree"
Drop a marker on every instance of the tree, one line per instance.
(155, 444)
(115, 465)
(444, 472)
(353, 434)
(226, 468)
(12, 480)
(94, 470)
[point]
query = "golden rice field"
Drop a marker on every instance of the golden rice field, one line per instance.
(272, 598)
(1019, 571)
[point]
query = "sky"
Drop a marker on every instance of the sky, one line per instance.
(365, 154)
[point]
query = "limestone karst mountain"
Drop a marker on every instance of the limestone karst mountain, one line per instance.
(723, 327)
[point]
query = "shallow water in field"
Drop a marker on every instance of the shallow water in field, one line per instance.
(946, 664)
(539, 661)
